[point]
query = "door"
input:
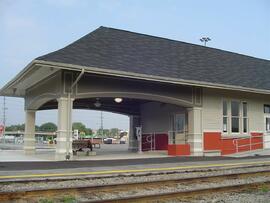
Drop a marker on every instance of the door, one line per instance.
(267, 132)
(179, 129)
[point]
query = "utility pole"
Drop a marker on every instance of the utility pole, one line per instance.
(4, 117)
(101, 125)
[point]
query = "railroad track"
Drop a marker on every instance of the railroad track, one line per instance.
(131, 192)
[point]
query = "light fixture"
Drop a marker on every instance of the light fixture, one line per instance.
(118, 100)
(97, 103)
(205, 40)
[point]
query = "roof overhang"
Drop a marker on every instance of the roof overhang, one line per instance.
(28, 77)
(39, 69)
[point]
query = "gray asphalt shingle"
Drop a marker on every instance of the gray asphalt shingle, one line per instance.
(114, 49)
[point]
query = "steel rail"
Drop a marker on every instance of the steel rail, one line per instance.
(28, 194)
(184, 195)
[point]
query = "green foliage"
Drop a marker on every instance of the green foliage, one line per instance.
(114, 132)
(19, 127)
(79, 126)
(68, 199)
(45, 201)
(265, 189)
(108, 132)
(48, 127)
(82, 128)
(88, 131)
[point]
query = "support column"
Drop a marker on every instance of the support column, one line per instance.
(195, 131)
(134, 121)
(29, 134)
(63, 147)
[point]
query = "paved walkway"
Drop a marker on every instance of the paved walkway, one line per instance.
(110, 159)
(22, 170)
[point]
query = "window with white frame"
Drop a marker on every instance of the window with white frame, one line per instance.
(235, 116)
(244, 117)
(266, 108)
(225, 117)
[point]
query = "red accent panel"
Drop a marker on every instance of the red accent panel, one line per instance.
(257, 141)
(179, 149)
(212, 141)
(161, 142)
(244, 145)
(227, 146)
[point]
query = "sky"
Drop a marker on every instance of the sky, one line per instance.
(30, 28)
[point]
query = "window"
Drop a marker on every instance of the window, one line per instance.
(267, 124)
(225, 116)
(266, 108)
(245, 119)
(235, 111)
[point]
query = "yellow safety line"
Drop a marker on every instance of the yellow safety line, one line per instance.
(133, 170)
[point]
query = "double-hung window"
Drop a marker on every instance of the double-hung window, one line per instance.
(266, 108)
(225, 117)
(244, 117)
(235, 116)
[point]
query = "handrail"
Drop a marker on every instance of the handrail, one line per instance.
(237, 146)
(150, 141)
(172, 136)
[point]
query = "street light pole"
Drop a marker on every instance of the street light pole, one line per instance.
(205, 40)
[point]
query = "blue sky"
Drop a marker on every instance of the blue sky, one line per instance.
(30, 28)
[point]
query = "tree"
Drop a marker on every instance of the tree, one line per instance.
(105, 133)
(48, 127)
(18, 127)
(79, 126)
(114, 132)
(89, 131)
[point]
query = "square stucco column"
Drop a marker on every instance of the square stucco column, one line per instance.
(64, 128)
(195, 131)
(133, 142)
(29, 135)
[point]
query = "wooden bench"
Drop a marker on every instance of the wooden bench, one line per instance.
(79, 145)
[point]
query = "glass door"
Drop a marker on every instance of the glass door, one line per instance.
(179, 123)
(179, 128)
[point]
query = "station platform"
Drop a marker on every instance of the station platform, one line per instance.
(110, 160)
(94, 168)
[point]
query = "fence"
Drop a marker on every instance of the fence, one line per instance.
(252, 143)
(178, 137)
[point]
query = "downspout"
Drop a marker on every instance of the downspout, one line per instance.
(69, 125)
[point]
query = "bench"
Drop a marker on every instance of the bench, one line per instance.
(79, 145)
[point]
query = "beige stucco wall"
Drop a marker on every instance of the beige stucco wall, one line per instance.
(212, 109)
(47, 89)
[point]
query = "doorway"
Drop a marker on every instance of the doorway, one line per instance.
(267, 132)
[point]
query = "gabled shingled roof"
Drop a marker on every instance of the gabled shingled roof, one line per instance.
(120, 50)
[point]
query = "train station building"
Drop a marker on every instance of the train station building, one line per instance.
(187, 99)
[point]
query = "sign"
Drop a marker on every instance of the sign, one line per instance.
(139, 137)
(1, 129)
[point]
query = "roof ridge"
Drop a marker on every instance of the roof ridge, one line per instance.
(188, 43)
